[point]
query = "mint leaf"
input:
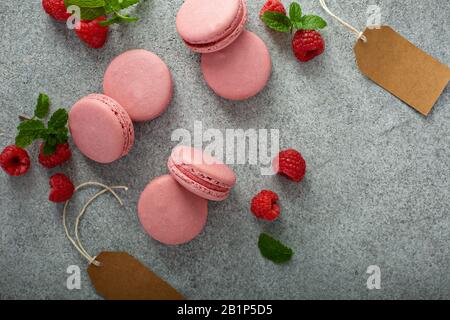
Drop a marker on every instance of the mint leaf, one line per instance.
(118, 19)
(92, 13)
(49, 149)
(295, 12)
(58, 119)
(117, 5)
(128, 3)
(29, 131)
(85, 3)
(310, 22)
(273, 249)
(277, 21)
(42, 106)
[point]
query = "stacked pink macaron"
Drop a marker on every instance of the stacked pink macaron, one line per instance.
(173, 208)
(236, 63)
(137, 87)
(204, 30)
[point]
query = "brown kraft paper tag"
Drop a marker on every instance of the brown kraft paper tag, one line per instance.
(401, 68)
(122, 277)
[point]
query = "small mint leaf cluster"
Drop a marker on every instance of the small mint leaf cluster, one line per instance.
(282, 23)
(33, 129)
(93, 9)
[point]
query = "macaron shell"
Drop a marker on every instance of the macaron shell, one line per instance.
(201, 173)
(141, 82)
(241, 70)
(171, 214)
(226, 40)
(100, 128)
(204, 21)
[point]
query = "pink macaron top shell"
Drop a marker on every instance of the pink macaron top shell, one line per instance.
(141, 82)
(211, 25)
(241, 70)
(170, 213)
(100, 128)
(201, 173)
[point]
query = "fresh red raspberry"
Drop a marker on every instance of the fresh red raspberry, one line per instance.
(56, 9)
(264, 205)
(61, 155)
(291, 164)
(274, 6)
(93, 34)
(307, 44)
(62, 188)
(15, 161)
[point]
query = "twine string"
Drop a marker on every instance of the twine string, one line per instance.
(359, 34)
(77, 243)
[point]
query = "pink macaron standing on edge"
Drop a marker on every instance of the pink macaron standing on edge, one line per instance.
(200, 173)
(241, 70)
(211, 25)
(101, 128)
(141, 82)
(170, 213)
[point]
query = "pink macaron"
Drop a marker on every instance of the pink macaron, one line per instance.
(200, 173)
(141, 82)
(211, 25)
(101, 128)
(170, 213)
(241, 70)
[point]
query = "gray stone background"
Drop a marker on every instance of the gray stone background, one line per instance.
(376, 193)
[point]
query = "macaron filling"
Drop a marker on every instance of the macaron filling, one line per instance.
(202, 179)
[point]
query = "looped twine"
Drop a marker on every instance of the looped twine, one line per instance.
(359, 34)
(77, 243)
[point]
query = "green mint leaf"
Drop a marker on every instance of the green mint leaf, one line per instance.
(85, 3)
(42, 106)
(118, 19)
(23, 140)
(277, 21)
(310, 22)
(295, 12)
(29, 131)
(58, 119)
(297, 25)
(273, 249)
(92, 13)
(117, 5)
(128, 3)
(112, 6)
(49, 149)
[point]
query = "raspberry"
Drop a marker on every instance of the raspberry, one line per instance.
(56, 9)
(93, 34)
(307, 44)
(264, 205)
(274, 6)
(62, 188)
(291, 164)
(61, 155)
(15, 161)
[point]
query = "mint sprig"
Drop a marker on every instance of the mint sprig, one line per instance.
(93, 9)
(273, 249)
(56, 131)
(282, 23)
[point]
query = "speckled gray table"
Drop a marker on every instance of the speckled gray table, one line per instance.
(377, 190)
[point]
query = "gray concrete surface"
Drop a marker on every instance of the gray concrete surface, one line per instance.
(376, 193)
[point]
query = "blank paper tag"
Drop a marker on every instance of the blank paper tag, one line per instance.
(122, 277)
(401, 68)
